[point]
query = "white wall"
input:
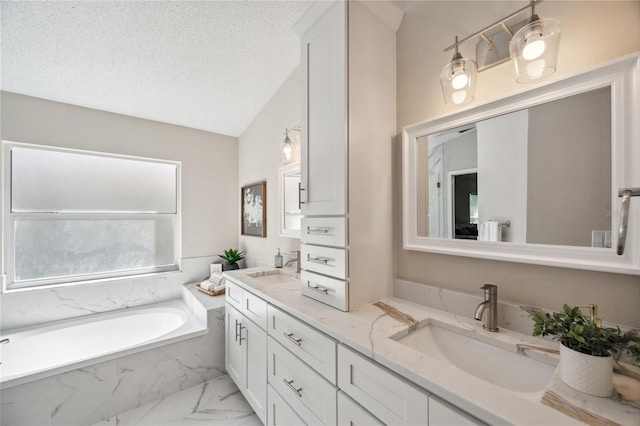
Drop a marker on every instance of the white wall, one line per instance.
(502, 173)
(260, 158)
(592, 32)
(210, 198)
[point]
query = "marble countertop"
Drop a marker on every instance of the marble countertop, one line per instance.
(367, 330)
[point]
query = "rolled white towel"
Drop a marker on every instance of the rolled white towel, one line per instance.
(206, 284)
(219, 287)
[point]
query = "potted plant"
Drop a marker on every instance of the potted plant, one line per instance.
(231, 258)
(586, 349)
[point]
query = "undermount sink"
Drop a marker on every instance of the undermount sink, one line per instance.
(489, 359)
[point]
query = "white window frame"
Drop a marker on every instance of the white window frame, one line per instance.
(9, 218)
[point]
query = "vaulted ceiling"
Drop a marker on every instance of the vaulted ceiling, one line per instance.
(209, 65)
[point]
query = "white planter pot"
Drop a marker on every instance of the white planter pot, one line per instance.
(590, 374)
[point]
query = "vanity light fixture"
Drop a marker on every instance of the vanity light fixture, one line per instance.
(288, 147)
(458, 79)
(532, 44)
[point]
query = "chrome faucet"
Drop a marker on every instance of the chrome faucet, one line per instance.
(296, 260)
(488, 310)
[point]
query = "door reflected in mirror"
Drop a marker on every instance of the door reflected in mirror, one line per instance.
(289, 214)
(547, 170)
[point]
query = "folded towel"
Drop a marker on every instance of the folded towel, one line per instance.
(490, 230)
(216, 278)
(205, 285)
(218, 287)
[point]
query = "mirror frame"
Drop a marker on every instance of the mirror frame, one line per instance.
(282, 172)
(623, 76)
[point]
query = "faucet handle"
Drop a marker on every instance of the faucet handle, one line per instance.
(490, 288)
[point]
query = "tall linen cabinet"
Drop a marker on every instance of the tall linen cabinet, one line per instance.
(348, 124)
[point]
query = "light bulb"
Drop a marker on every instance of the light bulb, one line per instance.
(459, 96)
(460, 79)
(533, 49)
(535, 69)
(286, 150)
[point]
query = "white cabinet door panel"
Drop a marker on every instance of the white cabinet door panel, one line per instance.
(234, 358)
(254, 386)
(323, 136)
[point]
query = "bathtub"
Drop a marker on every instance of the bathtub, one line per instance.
(45, 350)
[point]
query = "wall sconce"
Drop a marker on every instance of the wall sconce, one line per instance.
(458, 79)
(532, 44)
(289, 148)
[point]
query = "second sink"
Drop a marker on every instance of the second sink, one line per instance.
(497, 362)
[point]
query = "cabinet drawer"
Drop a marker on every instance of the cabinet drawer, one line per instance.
(444, 414)
(324, 231)
(383, 393)
(255, 309)
(279, 411)
(324, 260)
(233, 295)
(351, 413)
(308, 344)
(308, 393)
(327, 290)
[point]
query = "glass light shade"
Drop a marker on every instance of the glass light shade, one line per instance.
(458, 81)
(534, 50)
(289, 150)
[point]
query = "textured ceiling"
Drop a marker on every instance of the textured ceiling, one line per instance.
(209, 65)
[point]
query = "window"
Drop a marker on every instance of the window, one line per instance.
(74, 216)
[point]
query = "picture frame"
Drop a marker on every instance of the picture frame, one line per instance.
(253, 212)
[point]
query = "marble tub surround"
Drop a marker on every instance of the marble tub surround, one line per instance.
(369, 329)
(37, 306)
(99, 391)
(216, 402)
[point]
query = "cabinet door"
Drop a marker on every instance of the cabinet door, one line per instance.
(234, 358)
(443, 414)
(323, 148)
(254, 386)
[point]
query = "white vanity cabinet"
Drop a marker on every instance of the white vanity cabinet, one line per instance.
(246, 346)
(348, 114)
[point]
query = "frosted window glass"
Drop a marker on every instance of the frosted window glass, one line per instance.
(50, 248)
(58, 181)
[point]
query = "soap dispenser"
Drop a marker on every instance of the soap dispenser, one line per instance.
(277, 260)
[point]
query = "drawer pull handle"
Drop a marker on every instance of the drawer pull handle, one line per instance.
(293, 389)
(237, 324)
(320, 259)
(300, 189)
(318, 288)
(293, 339)
(319, 230)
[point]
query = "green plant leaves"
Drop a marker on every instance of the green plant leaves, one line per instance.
(232, 256)
(577, 332)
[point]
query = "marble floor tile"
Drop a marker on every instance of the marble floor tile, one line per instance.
(216, 402)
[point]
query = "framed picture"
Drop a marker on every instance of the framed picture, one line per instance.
(254, 209)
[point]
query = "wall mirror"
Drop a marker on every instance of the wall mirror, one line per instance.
(289, 214)
(533, 177)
